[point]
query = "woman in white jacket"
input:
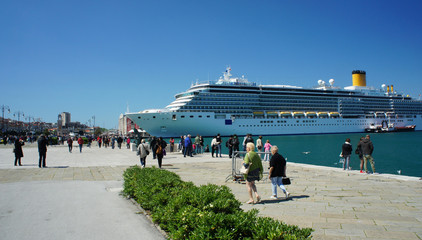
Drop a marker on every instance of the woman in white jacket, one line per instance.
(143, 152)
(214, 146)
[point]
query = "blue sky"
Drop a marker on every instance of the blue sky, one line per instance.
(93, 58)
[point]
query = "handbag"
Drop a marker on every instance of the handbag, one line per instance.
(146, 150)
(286, 181)
(244, 169)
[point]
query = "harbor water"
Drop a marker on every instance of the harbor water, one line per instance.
(394, 153)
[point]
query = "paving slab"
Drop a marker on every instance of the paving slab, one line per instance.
(337, 204)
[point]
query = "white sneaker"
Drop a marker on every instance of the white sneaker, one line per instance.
(287, 194)
(273, 197)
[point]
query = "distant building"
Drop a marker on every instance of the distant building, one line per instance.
(125, 125)
(65, 119)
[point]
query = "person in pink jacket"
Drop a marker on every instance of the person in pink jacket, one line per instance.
(267, 148)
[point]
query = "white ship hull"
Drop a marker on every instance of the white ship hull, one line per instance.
(176, 124)
(236, 106)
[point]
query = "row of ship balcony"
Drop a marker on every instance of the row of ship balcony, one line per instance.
(276, 114)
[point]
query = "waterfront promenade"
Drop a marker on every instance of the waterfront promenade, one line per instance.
(76, 197)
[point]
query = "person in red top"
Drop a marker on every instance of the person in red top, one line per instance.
(81, 143)
(99, 142)
(128, 143)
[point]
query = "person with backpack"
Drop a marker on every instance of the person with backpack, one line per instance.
(160, 145)
(143, 152)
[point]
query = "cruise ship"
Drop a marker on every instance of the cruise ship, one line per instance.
(233, 105)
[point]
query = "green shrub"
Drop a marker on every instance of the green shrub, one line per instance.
(186, 211)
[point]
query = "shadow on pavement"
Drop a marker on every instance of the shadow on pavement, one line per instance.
(291, 198)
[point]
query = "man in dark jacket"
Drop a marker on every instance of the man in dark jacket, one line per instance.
(367, 148)
(42, 150)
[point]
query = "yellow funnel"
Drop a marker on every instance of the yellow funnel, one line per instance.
(359, 78)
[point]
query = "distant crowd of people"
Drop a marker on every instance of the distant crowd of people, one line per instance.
(256, 153)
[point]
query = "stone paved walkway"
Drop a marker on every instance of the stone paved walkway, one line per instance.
(337, 204)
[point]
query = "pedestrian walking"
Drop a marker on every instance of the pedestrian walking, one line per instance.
(197, 144)
(99, 141)
(367, 150)
(171, 144)
(277, 172)
(214, 146)
(70, 143)
(267, 148)
(201, 144)
(229, 145)
(253, 162)
(42, 150)
(128, 142)
(219, 141)
(81, 143)
(236, 143)
(153, 147)
(143, 153)
(188, 146)
(358, 151)
(159, 150)
(18, 151)
(119, 142)
(259, 144)
(346, 152)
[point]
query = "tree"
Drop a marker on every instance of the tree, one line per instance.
(98, 131)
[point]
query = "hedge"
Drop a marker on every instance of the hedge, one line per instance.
(186, 211)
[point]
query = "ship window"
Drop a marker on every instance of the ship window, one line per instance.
(208, 116)
(153, 116)
(200, 116)
(139, 117)
(182, 116)
(174, 117)
(191, 116)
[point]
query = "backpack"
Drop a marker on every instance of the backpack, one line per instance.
(159, 149)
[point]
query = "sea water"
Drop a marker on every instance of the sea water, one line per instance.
(394, 152)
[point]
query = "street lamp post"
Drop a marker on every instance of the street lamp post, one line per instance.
(19, 113)
(29, 123)
(3, 108)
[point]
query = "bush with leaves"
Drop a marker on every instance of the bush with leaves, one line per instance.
(186, 211)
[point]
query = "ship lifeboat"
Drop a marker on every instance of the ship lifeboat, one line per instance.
(323, 115)
(286, 114)
(311, 114)
(258, 113)
(272, 114)
(298, 114)
(334, 114)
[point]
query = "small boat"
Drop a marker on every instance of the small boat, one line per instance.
(407, 128)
